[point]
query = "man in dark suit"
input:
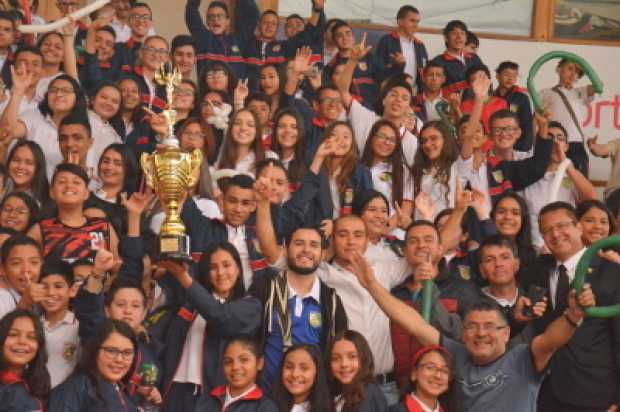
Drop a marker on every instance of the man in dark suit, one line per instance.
(585, 374)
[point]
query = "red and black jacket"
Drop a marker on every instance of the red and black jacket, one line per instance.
(455, 70)
(390, 44)
(254, 401)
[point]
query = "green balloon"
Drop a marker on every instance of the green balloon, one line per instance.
(582, 270)
(597, 84)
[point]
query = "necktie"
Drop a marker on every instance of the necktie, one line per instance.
(561, 291)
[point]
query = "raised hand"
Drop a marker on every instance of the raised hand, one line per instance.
(463, 198)
(425, 271)
(318, 4)
(358, 51)
(137, 202)
(542, 124)
(262, 188)
(399, 219)
(105, 262)
(301, 62)
(424, 205)
(22, 79)
(241, 91)
(610, 255)
(73, 158)
(68, 30)
(359, 266)
(522, 302)
(480, 85)
(176, 269)
(480, 204)
(585, 299)
(327, 227)
(158, 122)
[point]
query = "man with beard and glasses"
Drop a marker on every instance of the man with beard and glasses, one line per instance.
(298, 306)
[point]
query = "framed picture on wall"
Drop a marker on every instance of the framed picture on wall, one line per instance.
(586, 20)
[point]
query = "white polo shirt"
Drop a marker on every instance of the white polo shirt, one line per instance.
(408, 48)
(363, 313)
(578, 99)
(42, 130)
(9, 298)
(442, 196)
(63, 344)
(381, 174)
(362, 120)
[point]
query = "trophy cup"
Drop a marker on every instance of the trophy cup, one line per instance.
(170, 171)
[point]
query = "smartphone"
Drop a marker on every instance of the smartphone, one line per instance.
(535, 294)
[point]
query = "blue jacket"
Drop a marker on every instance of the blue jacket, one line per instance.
(254, 401)
(390, 44)
(454, 69)
(366, 77)
(158, 100)
(322, 206)
(228, 48)
(93, 72)
(81, 393)
(15, 397)
(224, 321)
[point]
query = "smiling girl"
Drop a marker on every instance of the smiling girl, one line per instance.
(26, 171)
(105, 122)
(18, 211)
(303, 381)
(351, 375)
(429, 379)
(24, 380)
(215, 311)
(434, 168)
(242, 362)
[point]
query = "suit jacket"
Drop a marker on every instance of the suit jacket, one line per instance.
(586, 371)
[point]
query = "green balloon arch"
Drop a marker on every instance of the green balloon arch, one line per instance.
(582, 270)
(597, 84)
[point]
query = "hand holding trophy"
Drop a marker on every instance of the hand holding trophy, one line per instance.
(171, 171)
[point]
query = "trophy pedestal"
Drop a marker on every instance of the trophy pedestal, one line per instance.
(174, 247)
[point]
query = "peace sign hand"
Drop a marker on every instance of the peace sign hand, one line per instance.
(22, 79)
(241, 91)
(360, 50)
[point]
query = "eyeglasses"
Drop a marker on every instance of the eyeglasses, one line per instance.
(501, 130)
(183, 92)
(327, 101)
(193, 135)
(386, 139)
(560, 226)
(153, 50)
(560, 137)
(140, 17)
(61, 90)
(213, 17)
(486, 328)
(115, 353)
(433, 369)
(19, 212)
(216, 73)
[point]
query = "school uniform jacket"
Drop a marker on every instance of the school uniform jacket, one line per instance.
(15, 395)
(455, 69)
(366, 77)
(255, 401)
(409, 404)
(79, 393)
(374, 400)
(224, 321)
(228, 48)
(322, 206)
(92, 72)
(390, 44)
(158, 100)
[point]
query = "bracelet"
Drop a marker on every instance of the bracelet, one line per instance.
(571, 322)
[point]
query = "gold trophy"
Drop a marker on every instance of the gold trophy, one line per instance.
(170, 171)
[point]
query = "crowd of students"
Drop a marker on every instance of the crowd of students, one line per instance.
(338, 180)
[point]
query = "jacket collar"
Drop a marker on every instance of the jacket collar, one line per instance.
(253, 395)
(10, 378)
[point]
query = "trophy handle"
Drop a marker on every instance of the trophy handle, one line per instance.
(146, 161)
(195, 157)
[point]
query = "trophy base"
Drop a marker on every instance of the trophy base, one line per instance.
(174, 247)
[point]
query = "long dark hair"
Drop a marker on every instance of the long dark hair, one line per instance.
(396, 159)
(352, 393)
(228, 159)
(35, 375)
(204, 268)
(297, 166)
(319, 399)
(585, 206)
(422, 164)
(40, 187)
(80, 105)
(31, 204)
(203, 88)
(524, 237)
(350, 159)
(130, 166)
(138, 113)
(87, 364)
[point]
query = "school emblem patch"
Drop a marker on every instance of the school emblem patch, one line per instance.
(315, 319)
(498, 175)
(386, 177)
(256, 244)
(276, 48)
(235, 48)
(464, 272)
(69, 351)
(514, 108)
(566, 182)
(363, 66)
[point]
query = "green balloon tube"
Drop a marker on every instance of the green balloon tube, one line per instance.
(427, 299)
(597, 84)
(582, 270)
